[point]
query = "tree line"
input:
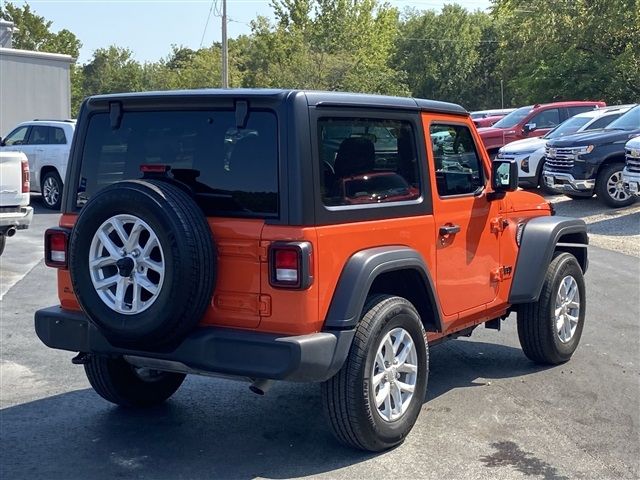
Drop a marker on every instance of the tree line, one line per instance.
(518, 52)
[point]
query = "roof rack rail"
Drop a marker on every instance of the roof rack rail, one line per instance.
(68, 120)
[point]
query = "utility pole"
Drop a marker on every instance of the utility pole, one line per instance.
(502, 94)
(225, 47)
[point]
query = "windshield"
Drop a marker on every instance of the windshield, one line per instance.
(567, 127)
(513, 118)
(628, 121)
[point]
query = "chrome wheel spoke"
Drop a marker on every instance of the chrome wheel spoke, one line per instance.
(145, 283)
(102, 262)
(109, 245)
(383, 394)
(377, 379)
(408, 348)
(405, 387)
(106, 282)
(407, 368)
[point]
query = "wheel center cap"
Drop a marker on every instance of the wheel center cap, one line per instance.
(125, 266)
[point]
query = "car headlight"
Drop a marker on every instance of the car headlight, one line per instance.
(524, 164)
(583, 150)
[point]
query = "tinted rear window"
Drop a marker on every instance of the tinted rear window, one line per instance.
(233, 172)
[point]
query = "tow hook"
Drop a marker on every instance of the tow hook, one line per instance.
(81, 358)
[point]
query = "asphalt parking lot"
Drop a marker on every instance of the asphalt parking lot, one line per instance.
(490, 412)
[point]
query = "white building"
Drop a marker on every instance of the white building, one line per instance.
(32, 84)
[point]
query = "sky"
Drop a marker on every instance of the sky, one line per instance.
(150, 27)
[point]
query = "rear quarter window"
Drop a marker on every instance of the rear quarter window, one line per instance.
(232, 171)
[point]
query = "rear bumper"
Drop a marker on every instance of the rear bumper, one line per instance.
(20, 218)
(306, 358)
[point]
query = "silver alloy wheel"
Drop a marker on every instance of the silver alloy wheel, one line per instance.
(615, 187)
(126, 264)
(567, 308)
(394, 374)
(51, 191)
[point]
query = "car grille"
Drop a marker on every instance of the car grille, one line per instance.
(633, 163)
(559, 158)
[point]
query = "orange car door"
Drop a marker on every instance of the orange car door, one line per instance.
(466, 249)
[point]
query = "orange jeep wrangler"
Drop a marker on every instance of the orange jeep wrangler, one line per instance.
(305, 236)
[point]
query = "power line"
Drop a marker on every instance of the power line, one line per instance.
(213, 3)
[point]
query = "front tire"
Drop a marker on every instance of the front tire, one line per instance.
(373, 402)
(119, 382)
(550, 329)
(610, 188)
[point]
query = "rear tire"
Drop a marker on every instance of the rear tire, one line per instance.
(550, 329)
(389, 330)
(3, 241)
(610, 189)
(121, 383)
(51, 190)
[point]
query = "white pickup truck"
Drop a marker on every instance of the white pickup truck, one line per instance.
(15, 212)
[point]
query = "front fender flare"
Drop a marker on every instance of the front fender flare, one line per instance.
(540, 238)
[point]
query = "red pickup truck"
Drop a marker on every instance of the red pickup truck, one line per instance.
(531, 121)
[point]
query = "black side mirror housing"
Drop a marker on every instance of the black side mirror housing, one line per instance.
(529, 127)
(504, 177)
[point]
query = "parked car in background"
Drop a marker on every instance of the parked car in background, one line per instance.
(486, 118)
(46, 143)
(531, 121)
(631, 172)
(15, 212)
(528, 153)
(592, 162)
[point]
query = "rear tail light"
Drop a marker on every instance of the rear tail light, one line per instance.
(290, 265)
(56, 243)
(25, 176)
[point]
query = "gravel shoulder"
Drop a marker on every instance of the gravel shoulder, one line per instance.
(613, 229)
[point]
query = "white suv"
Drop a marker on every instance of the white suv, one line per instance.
(46, 143)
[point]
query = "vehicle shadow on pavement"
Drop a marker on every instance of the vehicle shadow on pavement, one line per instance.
(211, 428)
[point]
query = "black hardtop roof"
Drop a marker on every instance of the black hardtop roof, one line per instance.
(314, 98)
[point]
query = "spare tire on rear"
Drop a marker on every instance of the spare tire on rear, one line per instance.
(142, 263)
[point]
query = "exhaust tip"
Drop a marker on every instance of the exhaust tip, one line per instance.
(261, 386)
(11, 232)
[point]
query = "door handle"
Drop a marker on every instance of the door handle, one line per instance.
(449, 229)
(39, 150)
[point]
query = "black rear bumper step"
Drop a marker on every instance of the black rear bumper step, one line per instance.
(305, 358)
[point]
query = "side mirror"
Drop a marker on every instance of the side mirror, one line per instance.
(504, 176)
(2, 142)
(529, 127)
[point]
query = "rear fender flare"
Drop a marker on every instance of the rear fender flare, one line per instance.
(360, 272)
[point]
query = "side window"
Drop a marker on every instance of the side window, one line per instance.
(456, 160)
(57, 136)
(39, 135)
(365, 161)
(603, 121)
(547, 119)
(576, 110)
(17, 137)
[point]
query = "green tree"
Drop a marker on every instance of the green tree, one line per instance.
(443, 53)
(34, 32)
(112, 70)
(325, 44)
(575, 49)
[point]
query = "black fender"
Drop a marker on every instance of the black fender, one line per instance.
(540, 238)
(359, 274)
